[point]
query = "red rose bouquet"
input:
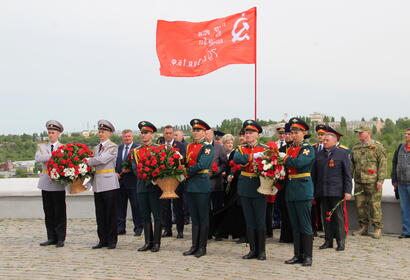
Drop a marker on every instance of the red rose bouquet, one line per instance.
(269, 167)
(234, 167)
(163, 166)
(68, 165)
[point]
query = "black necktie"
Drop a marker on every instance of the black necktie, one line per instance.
(52, 147)
(126, 153)
(99, 149)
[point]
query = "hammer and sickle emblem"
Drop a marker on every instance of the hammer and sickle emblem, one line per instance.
(237, 34)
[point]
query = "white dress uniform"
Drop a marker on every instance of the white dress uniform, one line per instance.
(53, 193)
(105, 186)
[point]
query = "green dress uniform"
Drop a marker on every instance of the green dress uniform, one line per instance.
(299, 195)
(253, 202)
(199, 157)
(148, 197)
(369, 167)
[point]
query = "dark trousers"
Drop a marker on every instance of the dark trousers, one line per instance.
(276, 212)
(185, 204)
(286, 232)
(55, 214)
(300, 216)
(177, 209)
(106, 214)
(335, 227)
(217, 200)
(149, 202)
(254, 210)
(269, 218)
(198, 204)
(317, 215)
(124, 195)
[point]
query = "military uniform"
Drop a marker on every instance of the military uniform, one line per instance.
(52, 192)
(369, 167)
(253, 202)
(199, 157)
(105, 186)
(332, 178)
(299, 194)
(148, 196)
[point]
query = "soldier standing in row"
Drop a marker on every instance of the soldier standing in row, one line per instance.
(199, 157)
(253, 202)
(147, 193)
(333, 182)
(53, 193)
(105, 186)
(299, 192)
(369, 167)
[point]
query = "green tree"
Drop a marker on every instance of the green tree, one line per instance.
(343, 123)
(21, 173)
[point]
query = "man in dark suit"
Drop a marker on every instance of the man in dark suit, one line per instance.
(218, 166)
(128, 186)
(179, 137)
(333, 182)
(177, 204)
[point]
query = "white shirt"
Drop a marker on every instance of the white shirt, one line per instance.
(170, 143)
(54, 145)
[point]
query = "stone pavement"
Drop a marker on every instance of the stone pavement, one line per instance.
(21, 257)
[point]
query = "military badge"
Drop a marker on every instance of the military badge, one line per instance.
(207, 151)
(306, 152)
(331, 163)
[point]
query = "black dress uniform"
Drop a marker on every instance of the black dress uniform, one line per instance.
(332, 178)
(148, 197)
(199, 158)
(299, 195)
(253, 202)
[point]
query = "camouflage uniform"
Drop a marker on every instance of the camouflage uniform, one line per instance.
(369, 167)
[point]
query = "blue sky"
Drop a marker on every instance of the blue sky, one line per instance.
(81, 61)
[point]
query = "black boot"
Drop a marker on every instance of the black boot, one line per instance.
(195, 239)
(250, 233)
(147, 237)
(328, 244)
(340, 245)
(297, 250)
(48, 242)
(307, 243)
(203, 240)
(261, 240)
(157, 237)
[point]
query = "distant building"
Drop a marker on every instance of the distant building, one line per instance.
(88, 133)
(26, 165)
(356, 124)
(316, 118)
(7, 166)
(270, 130)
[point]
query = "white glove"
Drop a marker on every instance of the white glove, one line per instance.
(257, 155)
(282, 155)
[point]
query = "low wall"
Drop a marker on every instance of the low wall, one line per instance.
(20, 198)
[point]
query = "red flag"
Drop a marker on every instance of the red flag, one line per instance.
(189, 49)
